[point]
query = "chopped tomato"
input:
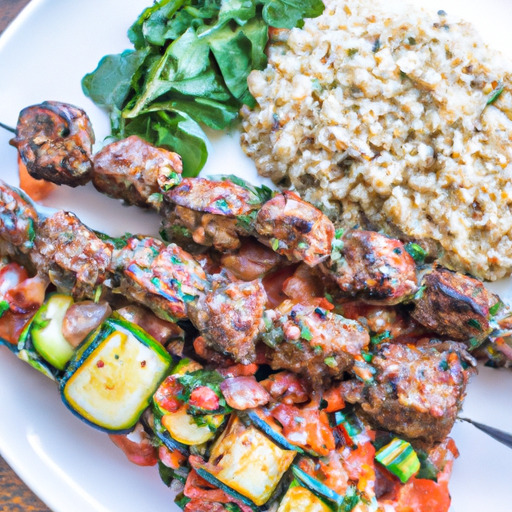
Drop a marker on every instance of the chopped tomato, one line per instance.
(166, 396)
(204, 398)
(239, 370)
(334, 399)
(141, 451)
(421, 495)
(199, 490)
(171, 458)
(306, 427)
(36, 189)
(11, 275)
(28, 295)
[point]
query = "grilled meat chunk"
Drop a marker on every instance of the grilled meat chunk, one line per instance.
(229, 318)
(295, 229)
(313, 342)
(455, 305)
(54, 141)
(17, 222)
(129, 169)
(71, 254)
(372, 267)
(418, 390)
(166, 279)
(210, 211)
(252, 261)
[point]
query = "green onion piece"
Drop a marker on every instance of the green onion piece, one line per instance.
(417, 253)
(399, 458)
(495, 94)
(4, 306)
(495, 308)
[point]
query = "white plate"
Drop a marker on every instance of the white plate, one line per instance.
(43, 56)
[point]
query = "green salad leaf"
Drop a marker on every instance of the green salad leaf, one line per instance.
(189, 66)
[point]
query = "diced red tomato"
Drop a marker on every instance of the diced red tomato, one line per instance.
(204, 398)
(11, 275)
(200, 491)
(307, 427)
(141, 452)
(28, 295)
(334, 399)
(171, 458)
(239, 370)
(166, 395)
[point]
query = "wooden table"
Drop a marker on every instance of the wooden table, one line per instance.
(15, 496)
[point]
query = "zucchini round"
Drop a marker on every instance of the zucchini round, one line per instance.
(112, 377)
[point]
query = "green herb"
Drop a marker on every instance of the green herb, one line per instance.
(4, 306)
(189, 66)
(275, 244)
(181, 500)
(367, 356)
(339, 233)
(209, 378)
(329, 297)
(411, 41)
(495, 308)
(495, 94)
(232, 507)
(302, 245)
(317, 350)
(475, 324)
(379, 338)
(417, 253)
(351, 52)
(331, 362)
(305, 333)
(419, 294)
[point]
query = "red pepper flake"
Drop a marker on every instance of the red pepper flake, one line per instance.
(143, 364)
(100, 363)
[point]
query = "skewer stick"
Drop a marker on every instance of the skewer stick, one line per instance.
(499, 435)
(8, 128)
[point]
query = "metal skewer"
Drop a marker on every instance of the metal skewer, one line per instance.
(499, 435)
(8, 128)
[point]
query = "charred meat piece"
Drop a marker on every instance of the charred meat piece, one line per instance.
(455, 305)
(71, 254)
(211, 211)
(313, 342)
(54, 141)
(418, 390)
(252, 261)
(372, 267)
(166, 279)
(230, 318)
(295, 229)
(129, 169)
(17, 222)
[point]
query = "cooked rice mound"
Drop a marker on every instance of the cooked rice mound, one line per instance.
(391, 117)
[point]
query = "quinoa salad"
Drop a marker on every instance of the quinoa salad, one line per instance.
(391, 117)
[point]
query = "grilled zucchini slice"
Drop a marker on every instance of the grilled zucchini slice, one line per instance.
(46, 331)
(247, 461)
(300, 499)
(112, 377)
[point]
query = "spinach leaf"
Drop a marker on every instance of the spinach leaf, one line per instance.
(109, 84)
(290, 13)
(189, 67)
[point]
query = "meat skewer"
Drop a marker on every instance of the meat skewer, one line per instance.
(363, 265)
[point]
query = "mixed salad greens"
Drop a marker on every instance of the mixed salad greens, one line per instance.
(189, 67)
